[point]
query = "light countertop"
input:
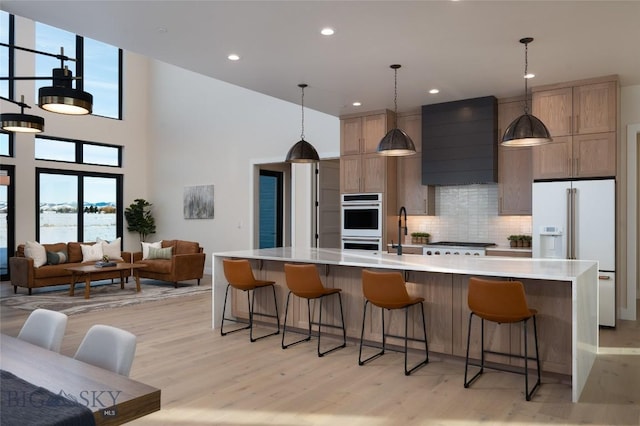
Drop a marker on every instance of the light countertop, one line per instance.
(546, 269)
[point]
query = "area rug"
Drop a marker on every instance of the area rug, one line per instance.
(104, 295)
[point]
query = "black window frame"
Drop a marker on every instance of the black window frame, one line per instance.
(79, 152)
(80, 174)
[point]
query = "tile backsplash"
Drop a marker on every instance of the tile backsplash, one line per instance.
(469, 213)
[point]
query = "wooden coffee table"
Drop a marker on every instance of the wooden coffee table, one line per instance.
(87, 270)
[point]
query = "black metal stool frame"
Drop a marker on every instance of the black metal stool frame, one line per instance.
(407, 371)
(528, 393)
(306, 339)
(251, 302)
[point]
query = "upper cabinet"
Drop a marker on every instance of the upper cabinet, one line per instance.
(582, 119)
(361, 134)
(362, 169)
(418, 199)
(515, 173)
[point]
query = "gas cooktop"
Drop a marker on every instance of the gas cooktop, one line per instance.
(460, 244)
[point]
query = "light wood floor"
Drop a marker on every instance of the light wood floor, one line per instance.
(207, 379)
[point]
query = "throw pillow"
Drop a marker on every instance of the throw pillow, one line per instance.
(56, 257)
(37, 252)
(160, 253)
(91, 253)
(111, 249)
(145, 248)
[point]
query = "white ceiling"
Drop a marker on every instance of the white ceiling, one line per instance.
(466, 48)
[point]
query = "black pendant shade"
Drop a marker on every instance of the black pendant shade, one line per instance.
(21, 123)
(62, 98)
(302, 152)
(526, 130)
(396, 143)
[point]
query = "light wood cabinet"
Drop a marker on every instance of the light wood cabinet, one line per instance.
(417, 198)
(515, 172)
(362, 169)
(581, 118)
(594, 108)
(362, 134)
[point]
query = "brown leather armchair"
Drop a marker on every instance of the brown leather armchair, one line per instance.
(186, 263)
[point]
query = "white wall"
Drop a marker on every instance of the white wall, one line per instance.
(204, 131)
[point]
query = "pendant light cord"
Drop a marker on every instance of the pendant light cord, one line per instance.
(395, 67)
(302, 105)
(526, 66)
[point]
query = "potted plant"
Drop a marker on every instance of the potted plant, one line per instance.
(420, 237)
(513, 240)
(527, 240)
(140, 219)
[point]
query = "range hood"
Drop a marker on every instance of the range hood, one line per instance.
(459, 142)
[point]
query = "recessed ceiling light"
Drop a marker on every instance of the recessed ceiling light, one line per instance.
(434, 91)
(529, 75)
(233, 57)
(356, 104)
(162, 30)
(327, 31)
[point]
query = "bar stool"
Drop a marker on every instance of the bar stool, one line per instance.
(240, 276)
(304, 281)
(387, 290)
(501, 302)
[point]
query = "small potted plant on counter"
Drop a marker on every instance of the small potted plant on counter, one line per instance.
(513, 240)
(526, 239)
(420, 237)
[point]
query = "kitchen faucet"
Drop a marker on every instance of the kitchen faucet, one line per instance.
(400, 227)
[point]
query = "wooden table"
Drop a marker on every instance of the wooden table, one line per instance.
(113, 399)
(87, 270)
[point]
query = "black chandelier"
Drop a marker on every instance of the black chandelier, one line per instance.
(60, 97)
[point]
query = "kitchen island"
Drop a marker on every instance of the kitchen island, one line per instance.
(563, 291)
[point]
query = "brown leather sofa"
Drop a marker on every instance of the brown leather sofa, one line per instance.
(24, 274)
(186, 263)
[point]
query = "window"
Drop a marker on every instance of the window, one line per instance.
(6, 144)
(73, 151)
(5, 35)
(99, 64)
(78, 206)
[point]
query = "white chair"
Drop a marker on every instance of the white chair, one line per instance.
(44, 328)
(108, 347)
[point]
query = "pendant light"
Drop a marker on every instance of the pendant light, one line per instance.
(21, 123)
(302, 151)
(396, 143)
(526, 130)
(60, 97)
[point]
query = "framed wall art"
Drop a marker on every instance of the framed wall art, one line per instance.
(198, 202)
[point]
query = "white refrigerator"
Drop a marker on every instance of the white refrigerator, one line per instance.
(576, 220)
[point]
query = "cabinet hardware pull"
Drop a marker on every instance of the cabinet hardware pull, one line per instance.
(577, 124)
(604, 277)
